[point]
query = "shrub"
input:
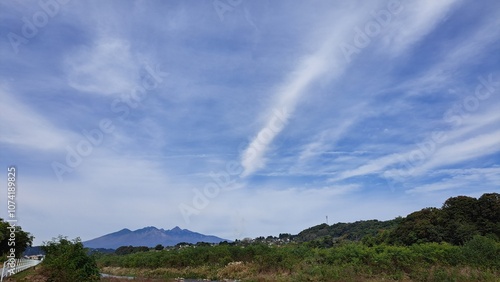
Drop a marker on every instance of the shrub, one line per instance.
(481, 251)
(67, 260)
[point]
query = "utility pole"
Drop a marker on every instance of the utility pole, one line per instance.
(327, 220)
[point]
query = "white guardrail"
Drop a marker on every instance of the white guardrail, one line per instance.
(12, 267)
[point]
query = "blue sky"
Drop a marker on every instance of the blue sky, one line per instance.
(245, 118)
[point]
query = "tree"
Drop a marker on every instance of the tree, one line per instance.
(67, 260)
(125, 250)
(22, 239)
(459, 220)
(419, 227)
(285, 236)
(489, 214)
(159, 247)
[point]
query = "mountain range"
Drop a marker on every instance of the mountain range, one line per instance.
(150, 237)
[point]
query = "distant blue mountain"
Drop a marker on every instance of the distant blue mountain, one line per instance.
(150, 237)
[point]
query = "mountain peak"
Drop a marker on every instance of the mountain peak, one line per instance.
(123, 231)
(148, 228)
(177, 228)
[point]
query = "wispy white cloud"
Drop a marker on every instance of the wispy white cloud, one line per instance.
(459, 179)
(454, 151)
(475, 135)
(325, 140)
(473, 148)
(107, 67)
(471, 129)
(23, 127)
(411, 26)
(415, 22)
(371, 167)
(446, 73)
(309, 69)
(325, 61)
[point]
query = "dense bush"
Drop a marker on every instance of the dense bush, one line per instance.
(67, 260)
(482, 251)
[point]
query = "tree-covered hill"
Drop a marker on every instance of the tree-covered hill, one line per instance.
(456, 222)
(351, 231)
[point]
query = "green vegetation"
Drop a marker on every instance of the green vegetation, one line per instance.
(456, 222)
(346, 231)
(457, 242)
(460, 219)
(125, 250)
(477, 260)
(68, 261)
(22, 240)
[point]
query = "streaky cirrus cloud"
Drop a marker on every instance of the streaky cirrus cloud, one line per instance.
(18, 120)
(424, 16)
(326, 60)
(107, 67)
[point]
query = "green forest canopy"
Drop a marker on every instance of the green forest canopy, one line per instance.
(456, 222)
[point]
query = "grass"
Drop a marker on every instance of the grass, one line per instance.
(29, 275)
